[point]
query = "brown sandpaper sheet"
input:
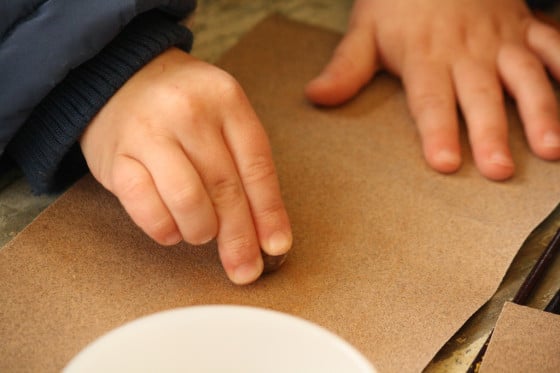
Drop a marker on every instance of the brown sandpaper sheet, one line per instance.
(388, 254)
(524, 340)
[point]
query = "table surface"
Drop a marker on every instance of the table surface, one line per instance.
(217, 26)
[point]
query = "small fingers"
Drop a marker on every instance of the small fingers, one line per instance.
(431, 100)
(544, 40)
(351, 67)
(134, 186)
(237, 239)
(181, 189)
(241, 180)
(480, 96)
(526, 80)
(251, 152)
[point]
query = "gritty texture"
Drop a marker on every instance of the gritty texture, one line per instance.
(386, 254)
(218, 25)
(525, 340)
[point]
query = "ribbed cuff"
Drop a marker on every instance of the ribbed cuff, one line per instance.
(46, 146)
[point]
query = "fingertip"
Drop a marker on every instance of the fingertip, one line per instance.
(202, 240)
(164, 232)
(549, 146)
(278, 243)
(197, 233)
(352, 66)
(498, 166)
(445, 161)
(134, 187)
(248, 272)
(325, 91)
(315, 90)
(170, 239)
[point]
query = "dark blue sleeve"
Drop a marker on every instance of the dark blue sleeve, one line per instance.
(46, 147)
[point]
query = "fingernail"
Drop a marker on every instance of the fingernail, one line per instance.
(446, 157)
(279, 243)
(247, 272)
(206, 240)
(500, 159)
(551, 140)
(173, 238)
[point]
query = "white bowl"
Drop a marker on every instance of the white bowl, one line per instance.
(220, 338)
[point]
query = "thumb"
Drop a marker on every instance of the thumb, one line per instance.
(352, 66)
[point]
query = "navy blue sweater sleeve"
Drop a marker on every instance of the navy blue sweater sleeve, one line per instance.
(46, 147)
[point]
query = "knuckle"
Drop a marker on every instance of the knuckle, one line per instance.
(184, 104)
(160, 137)
(228, 87)
(159, 229)
(238, 249)
(186, 199)
(428, 101)
(271, 214)
(486, 92)
(425, 43)
(512, 56)
(488, 135)
(489, 97)
(130, 186)
(546, 107)
(258, 169)
(528, 62)
(226, 192)
(170, 94)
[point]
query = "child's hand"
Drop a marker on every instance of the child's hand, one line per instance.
(182, 149)
(455, 51)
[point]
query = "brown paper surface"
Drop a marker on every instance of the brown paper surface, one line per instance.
(388, 254)
(524, 340)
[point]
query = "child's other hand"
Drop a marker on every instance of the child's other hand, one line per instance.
(455, 51)
(181, 147)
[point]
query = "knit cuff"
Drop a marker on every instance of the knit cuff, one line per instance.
(46, 147)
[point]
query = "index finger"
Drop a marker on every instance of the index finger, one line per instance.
(250, 149)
